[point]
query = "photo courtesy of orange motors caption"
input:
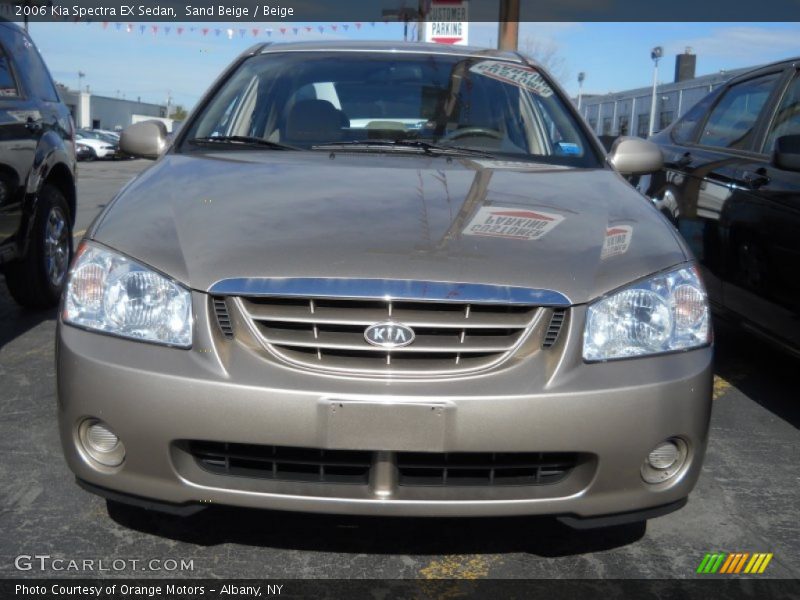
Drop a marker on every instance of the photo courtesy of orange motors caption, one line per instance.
(399, 299)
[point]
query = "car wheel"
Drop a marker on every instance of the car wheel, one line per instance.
(36, 280)
(92, 155)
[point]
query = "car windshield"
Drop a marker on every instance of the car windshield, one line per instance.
(381, 102)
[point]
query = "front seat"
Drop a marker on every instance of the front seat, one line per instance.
(312, 121)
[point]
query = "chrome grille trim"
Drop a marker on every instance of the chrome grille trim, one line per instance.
(322, 329)
(388, 289)
(450, 338)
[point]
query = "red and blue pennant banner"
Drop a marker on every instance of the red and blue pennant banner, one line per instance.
(293, 30)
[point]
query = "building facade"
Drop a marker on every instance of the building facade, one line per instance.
(101, 112)
(628, 112)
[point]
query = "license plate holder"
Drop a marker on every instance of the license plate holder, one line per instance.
(399, 426)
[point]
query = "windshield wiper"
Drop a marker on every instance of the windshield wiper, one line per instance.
(244, 140)
(403, 145)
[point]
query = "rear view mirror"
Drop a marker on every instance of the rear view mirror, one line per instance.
(635, 156)
(787, 153)
(146, 139)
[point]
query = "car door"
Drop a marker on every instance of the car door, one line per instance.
(18, 139)
(763, 221)
(703, 172)
(38, 122)
(676, 189)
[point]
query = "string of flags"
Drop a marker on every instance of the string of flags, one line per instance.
(294, 30)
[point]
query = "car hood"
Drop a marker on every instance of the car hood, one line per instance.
(205, 217)
(93, 143)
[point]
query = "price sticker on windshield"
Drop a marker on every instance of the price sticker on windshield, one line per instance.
(518, 75)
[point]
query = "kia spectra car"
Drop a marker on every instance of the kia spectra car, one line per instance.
(386, 279)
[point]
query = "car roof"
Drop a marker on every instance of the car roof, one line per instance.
(782, 64)
(388, 46)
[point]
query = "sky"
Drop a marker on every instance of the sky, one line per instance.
(614, 56)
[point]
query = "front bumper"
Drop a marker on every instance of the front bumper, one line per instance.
(613, 414)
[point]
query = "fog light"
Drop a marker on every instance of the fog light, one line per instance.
(665, 461)
(100, 443)
(664, 456)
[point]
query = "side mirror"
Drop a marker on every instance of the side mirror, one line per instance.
(635, 156)
(146, 139)
(787, 153)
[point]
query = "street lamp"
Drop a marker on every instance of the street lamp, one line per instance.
(656, 53)
(581, 77)
(81, 75)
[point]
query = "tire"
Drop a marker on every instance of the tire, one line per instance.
(91, 156)
(38, 278)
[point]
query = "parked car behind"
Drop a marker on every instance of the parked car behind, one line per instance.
(731, 184)
(83, 152)
(37, 174)
(388, 279)
(101, 146)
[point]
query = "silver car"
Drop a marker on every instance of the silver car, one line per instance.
(386, 279)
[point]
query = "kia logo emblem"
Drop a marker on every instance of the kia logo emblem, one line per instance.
(389, 334)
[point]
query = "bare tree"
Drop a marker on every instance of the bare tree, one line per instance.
(547, 53)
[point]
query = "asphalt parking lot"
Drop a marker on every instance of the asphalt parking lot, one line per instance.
(746, 500)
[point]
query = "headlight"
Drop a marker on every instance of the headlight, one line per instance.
(664, 313)
(110, 292)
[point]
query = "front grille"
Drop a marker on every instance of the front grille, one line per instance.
(283, 463)
(415, 469)
(328, 334)
(483, 469)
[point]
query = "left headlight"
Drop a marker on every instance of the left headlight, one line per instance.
(664, 313)
(111, 293)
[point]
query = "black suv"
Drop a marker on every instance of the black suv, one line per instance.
(37, 174)
(731, 185)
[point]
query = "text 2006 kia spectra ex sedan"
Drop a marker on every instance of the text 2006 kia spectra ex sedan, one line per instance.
(386, 280)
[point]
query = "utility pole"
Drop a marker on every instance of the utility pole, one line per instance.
(656, 53)
(508, 25)
(581, 77)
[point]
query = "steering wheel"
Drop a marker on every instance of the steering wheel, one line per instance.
(473, 132)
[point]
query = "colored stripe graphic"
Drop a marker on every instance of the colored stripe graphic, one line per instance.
(704, 563)
(727, 564)
(764, 564)
(711, 562)
(734, 563)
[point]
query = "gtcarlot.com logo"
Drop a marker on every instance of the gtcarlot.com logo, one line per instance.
(734, 563)
(45, 562)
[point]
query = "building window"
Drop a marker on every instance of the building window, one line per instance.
(593, 124)
(665, 119)
(607, 126)
(622, 125)
(643, 125)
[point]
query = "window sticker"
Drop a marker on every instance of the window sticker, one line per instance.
(568, 149)
(515, 165)
(518, 75)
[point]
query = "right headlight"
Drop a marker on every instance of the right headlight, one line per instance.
(664, 313)
(112, 293)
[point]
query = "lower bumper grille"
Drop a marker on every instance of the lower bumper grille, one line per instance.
(483, 469)
(283, 463)
(313, 465)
